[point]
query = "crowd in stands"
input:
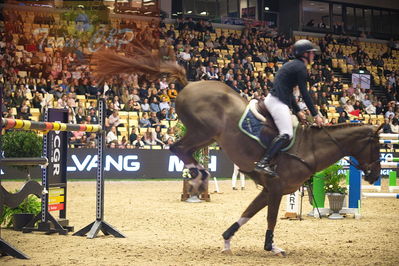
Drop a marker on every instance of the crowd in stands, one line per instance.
(41, 69)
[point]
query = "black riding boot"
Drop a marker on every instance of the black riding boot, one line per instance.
(278, 142)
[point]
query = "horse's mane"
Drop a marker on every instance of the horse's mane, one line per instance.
(143, 61)
(344, 125)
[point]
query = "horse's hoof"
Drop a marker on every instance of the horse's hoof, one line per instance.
(227, 252)
(279, 252)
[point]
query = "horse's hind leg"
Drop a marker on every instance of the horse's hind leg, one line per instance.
(275, 195)
(256, 205)
(184, 149)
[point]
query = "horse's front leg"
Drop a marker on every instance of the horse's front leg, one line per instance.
(275, 195)
(256, 205)
(184, 148)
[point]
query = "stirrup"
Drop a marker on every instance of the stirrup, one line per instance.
(270, 170)
(267, 168)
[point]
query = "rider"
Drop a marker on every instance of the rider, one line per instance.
(281, 99)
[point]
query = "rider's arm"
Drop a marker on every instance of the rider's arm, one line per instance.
(302, 75)
(294, 104)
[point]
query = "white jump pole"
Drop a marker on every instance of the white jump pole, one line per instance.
(389, 141)
(380, 195)
(389, 136)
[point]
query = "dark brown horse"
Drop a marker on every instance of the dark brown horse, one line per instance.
(211, 110)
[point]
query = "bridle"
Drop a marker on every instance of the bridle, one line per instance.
(362, 167)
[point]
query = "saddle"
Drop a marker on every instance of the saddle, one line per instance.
(257, 123)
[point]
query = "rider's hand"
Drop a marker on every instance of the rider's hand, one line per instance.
(318, 120)
(301, 116)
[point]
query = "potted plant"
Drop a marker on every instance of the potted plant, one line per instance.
(17, 144)
(335, 189)
(20, 216)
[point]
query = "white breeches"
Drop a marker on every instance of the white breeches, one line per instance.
(281, 115)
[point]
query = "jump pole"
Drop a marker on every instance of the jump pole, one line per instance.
(93, 228)
(380, 195)
(388, 136)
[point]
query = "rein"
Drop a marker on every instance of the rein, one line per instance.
(343, 152)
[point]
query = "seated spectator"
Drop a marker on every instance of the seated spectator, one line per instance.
(164, 104)
(145, 106)
(112, 135)
(123, 142)
(171, 115)
(80, 116)
(37, 100)
(154, 120)
(133, 135)
(168, 143)
(117, 103)
(343, 117)
(150, 138)
(138, 143)
(114, 120)
(71, 100)
(212, 75)
(386, 127)
(172, 92)
(366, 102)
(348, 107)
(162, 114)
(333, 121)
(163, 84)
(358, 106)
(390, 112)
(371, 109)
(170, 134)
(144, 121)
(63, 101)
(154, 105)
(24, 110)
(128, 106)
(57, 91)
(93, 116)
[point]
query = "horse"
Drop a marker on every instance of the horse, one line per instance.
(211, 110)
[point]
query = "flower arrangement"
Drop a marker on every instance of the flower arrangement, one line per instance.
(31, 204)
(333, 179)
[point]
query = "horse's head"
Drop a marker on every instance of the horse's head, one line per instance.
(369, 157)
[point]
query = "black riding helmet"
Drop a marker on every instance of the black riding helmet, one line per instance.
(303, 46)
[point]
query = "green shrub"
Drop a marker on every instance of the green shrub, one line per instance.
(31, 204)
(18, 143)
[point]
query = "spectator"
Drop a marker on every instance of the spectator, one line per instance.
(112, 135)
(138, 143)
(133, 135)
(114, 120)
(154, 106)
(171, 115)
(145, 107)
(144, 121)
(154, 120)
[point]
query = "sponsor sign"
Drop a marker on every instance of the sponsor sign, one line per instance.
(138, 164)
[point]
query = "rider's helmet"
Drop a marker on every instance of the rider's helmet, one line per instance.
(303, 46)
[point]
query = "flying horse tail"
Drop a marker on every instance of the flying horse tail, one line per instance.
(144, 61)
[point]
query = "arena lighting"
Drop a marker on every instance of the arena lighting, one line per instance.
(189, 12)
(203, 13)
(267, 8)
(361, 71)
